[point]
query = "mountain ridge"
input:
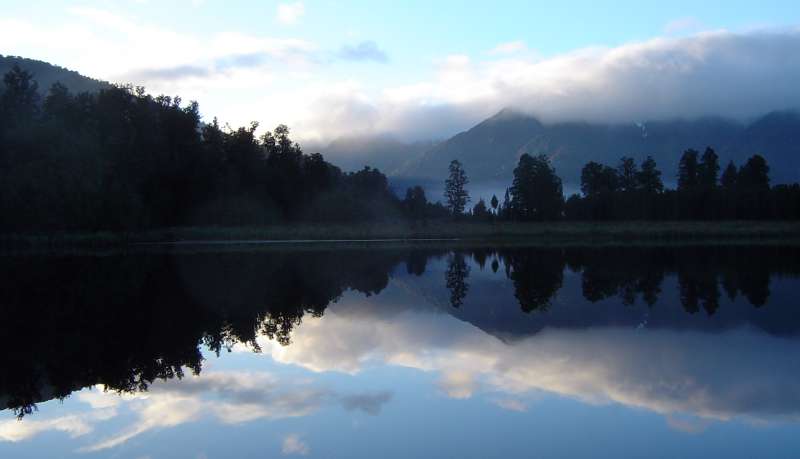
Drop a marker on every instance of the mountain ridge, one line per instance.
(490, 149)
(46, 74)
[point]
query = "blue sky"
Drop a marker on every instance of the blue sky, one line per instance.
(425, 69)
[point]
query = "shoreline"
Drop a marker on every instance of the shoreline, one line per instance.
(433, 233)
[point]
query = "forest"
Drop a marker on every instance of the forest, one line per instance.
(122, 160)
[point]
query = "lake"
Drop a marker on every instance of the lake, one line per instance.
(363, 351)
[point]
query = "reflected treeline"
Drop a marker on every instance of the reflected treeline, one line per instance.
(703, 274)
(622, 286)
(125, 321)
(70, 322)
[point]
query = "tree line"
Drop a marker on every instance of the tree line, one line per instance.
(122, 160)
(632, 191)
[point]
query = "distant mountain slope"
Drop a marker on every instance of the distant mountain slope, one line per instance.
(47, 74)
(387, 154)
(491, 149)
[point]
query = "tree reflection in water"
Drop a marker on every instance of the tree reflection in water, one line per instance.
(124, 321)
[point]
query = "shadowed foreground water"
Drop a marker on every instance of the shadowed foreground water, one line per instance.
(686, 351)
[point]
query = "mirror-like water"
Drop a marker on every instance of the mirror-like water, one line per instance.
(677, 351)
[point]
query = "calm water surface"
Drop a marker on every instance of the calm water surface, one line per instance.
(470, 353)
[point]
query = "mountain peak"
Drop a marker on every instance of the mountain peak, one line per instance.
(509, 113)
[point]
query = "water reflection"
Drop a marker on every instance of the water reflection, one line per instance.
(708, 332)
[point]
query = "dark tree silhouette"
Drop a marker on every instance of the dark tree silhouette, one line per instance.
(19, 100)
(628, 174)
(480, 212)
(754, 174)
(536, 193)
(688, 169)
(537, 276)
(649, 177)
(597, 179)
(415, 203)
(708, 169)
(455, 192)
(729, 177)
(456, 279)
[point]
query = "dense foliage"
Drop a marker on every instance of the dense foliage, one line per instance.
(120, 160)
(630, 192)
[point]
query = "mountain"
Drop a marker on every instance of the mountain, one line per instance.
(490, 150)
(387, 154)
(47, 74)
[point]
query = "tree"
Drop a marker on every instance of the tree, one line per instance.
(19, 102)
(455, 193)
(494, 202)
(505, 210)
(754, 174)
(456, 278)
(688, 170)
(729, 177)
(536, 193)
(597, 179)
(627, 174)
(649, 177)
(708, 170)
(415, 203)
(480, 211)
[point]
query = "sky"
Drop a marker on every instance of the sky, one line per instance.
(426, 70)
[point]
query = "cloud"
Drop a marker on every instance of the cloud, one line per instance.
(292, 444)
(76, 425)
(364, 51)
(368, 403)
(703, 376)
(15, 431)
(735, 75)
(228, 397)
(458, 383)
(290, 13)
(241, 77)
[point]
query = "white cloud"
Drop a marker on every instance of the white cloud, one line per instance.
(736, 75)
(14, 431)
(290, 13)
(292, 444)
(228, 397)
(76, 425)
(703, 376)
(242, 77)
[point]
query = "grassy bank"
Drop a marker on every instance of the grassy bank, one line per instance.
(535, 233)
